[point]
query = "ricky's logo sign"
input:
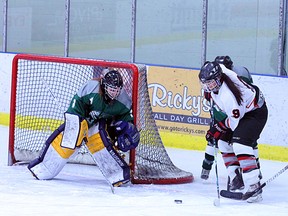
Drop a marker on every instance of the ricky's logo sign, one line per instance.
(181, 102)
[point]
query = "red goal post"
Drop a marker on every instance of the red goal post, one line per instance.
(41, 90)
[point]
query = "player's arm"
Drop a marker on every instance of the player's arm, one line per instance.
(77, 106)
(225, 120)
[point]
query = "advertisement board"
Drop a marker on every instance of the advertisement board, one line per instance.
(177, 101)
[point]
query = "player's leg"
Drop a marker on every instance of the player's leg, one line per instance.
(256, 153)
(208, 161)
(210, 148)
(250, 170)
(61, 144)
(244, 139)
(111, 164)
(235, 181)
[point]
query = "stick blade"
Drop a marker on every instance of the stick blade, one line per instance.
(231, 195)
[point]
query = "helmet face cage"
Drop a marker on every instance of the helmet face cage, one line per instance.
(112, 91)
(212, 85)
(225, 60)
(210, 77)
(111, 85)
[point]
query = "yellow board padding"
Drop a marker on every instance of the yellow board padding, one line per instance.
(63, 152)
(4, 119)
(31, 122)
(175, 140)
(184, 141)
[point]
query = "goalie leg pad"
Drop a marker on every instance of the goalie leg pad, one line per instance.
(113, 167)
(108, 162)
(47, 167)
(54, 157)
(94, 143)
(50, 163)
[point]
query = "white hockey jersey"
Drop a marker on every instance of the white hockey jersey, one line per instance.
(227, 103)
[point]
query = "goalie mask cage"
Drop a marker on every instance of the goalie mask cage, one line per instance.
(42, 87)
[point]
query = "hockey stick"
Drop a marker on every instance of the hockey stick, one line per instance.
(216, 201)
(108, 182)
(241, 196)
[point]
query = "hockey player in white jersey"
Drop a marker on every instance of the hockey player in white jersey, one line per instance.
(245, 75)
(238, 132)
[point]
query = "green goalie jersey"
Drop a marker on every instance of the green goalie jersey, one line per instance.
(89, 104)
(218, 114)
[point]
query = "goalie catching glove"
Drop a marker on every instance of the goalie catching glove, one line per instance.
(216, 131)
(128, 136)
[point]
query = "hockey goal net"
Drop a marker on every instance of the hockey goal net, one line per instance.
(42, 88)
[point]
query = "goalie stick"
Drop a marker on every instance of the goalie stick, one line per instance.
(106, 179)
(241, 196)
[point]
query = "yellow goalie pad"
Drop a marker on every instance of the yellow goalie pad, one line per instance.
(63, 152)
(95, 143)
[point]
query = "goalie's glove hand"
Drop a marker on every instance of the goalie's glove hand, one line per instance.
(216, 131)
(119, 126)
(128, 136)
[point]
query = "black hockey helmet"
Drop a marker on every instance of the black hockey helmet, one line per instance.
(225, 60)
(210, 76)
(111, 85)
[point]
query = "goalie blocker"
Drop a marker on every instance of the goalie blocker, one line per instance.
(66, 140)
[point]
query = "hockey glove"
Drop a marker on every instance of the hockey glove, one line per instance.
(216, 131)
(127, 134)
(119, 126)
(207, 95)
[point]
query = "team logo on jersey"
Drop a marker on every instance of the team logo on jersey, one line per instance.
(94, 114)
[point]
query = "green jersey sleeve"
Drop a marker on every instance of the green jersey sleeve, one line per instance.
(218, 114)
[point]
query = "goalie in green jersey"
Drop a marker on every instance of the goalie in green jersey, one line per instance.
(100, 117)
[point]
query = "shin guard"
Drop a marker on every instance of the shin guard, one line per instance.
(110, 163)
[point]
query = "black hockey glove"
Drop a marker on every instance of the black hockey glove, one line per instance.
(207, 96)
(216, 131)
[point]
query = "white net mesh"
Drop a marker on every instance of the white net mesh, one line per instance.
(43, 88)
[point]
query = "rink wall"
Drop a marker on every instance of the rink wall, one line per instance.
(180, 112)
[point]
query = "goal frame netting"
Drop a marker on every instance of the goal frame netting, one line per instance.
(164, 172)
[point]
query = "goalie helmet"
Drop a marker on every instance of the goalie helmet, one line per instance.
(210, 76)
(111, 85)
(225, 60)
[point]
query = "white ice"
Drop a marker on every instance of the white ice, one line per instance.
(81, 190)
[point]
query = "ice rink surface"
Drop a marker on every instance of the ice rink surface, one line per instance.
(82, 190)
